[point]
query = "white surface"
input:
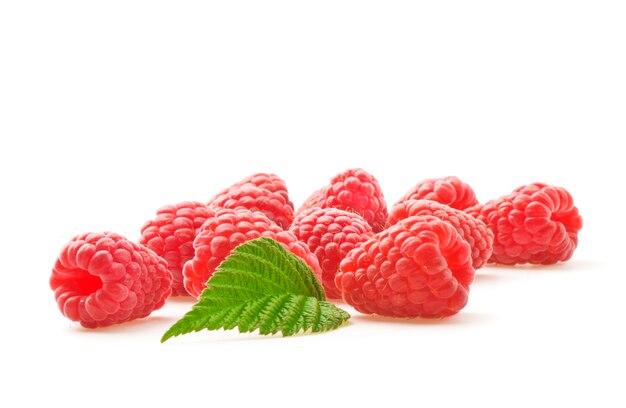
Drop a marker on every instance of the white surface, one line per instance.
(109, 111)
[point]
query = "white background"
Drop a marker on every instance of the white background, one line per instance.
(109, 110)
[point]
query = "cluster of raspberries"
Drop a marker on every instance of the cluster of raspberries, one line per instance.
(417, 259)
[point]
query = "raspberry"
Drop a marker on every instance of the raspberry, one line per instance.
(419, 267)
(248, 197)
(536, 224)
(330, 234)
(100, 279)
(313, 200)
(266, 181)
(221, 233)
(354, 190)
(449, 191)
(171, 234)
(474, 231)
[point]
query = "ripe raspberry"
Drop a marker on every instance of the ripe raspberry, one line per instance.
(221, 233)
(247, 197)
(313, 200)
(449, 191)
(474, 231)
(536, 224)
(266, 181)
(100, 279)
(354, 190)
(171, 234)
(330, 234)
(420, 267)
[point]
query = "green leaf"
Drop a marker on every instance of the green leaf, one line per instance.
(261, 286)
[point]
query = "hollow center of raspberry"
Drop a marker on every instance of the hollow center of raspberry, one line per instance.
(86, 283)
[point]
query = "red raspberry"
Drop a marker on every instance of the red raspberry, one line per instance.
(354, 190)
(171, 234)
(248, 197)
(330, 234)
(420, 267)
(313, 200)
(100, 279)
(221, 233)
(449, 191)
(266, 181)
(474, 231)
(535, 224)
